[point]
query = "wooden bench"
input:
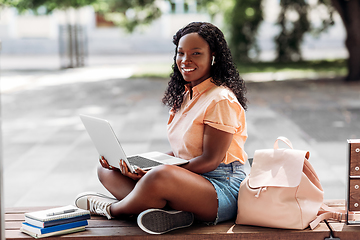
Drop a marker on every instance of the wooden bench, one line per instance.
(101, 228)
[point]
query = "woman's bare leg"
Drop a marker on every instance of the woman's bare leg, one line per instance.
(166, 185)
(116, 183)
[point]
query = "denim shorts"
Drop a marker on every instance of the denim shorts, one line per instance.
(226, 179)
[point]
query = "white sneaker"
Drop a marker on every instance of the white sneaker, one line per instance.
(158, 221)
(96, 203)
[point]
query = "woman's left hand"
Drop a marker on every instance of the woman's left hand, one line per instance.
(139, 173)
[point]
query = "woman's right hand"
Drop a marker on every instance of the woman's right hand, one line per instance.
(139, 173)
(104, 163)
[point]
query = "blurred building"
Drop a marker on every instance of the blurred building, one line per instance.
(42, 34)
(31, 34)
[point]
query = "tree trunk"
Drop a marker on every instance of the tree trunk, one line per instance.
(349, 11)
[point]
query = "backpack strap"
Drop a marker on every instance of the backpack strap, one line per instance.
(285, 140)
(330, 213)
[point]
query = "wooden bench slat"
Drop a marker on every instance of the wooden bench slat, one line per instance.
(12, 225)
(14, 217)
(136, 233)
(343, 231)
(11, 210)
(111, 223)
(101, 228)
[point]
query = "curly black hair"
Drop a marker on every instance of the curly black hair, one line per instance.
(223, 71)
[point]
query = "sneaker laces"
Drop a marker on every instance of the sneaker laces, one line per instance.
(99, 207)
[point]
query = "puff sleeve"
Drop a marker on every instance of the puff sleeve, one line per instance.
(225, 115)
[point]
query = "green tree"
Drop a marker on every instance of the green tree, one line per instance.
(244, 21)
(50, 5)
(128, 13)
(349, 11)
(243, 18)
(294, 23)
(292, 31)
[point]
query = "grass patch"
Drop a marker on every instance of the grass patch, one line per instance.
(337, 67)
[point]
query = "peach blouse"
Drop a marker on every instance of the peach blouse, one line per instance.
(216, 106)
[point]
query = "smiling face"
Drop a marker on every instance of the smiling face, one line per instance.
(193, 58)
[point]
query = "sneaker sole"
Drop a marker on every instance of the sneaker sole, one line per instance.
(157, 221)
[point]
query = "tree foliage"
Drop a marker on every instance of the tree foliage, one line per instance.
(294, 23)
(349, 11)
(49, 5)
(243, 18)
(244, 21)
(128, 13)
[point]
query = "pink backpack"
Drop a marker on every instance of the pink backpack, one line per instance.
(282, 191)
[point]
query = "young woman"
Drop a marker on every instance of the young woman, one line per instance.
(206, 126)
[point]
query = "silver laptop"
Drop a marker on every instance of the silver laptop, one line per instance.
(108, 145)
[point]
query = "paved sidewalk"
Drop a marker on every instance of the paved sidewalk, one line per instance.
(49, 158)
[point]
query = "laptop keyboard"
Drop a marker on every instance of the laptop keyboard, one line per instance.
(142, 162)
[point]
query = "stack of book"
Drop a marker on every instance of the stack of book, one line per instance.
(55, 221)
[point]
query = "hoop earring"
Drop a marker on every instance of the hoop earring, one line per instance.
(213, 60)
